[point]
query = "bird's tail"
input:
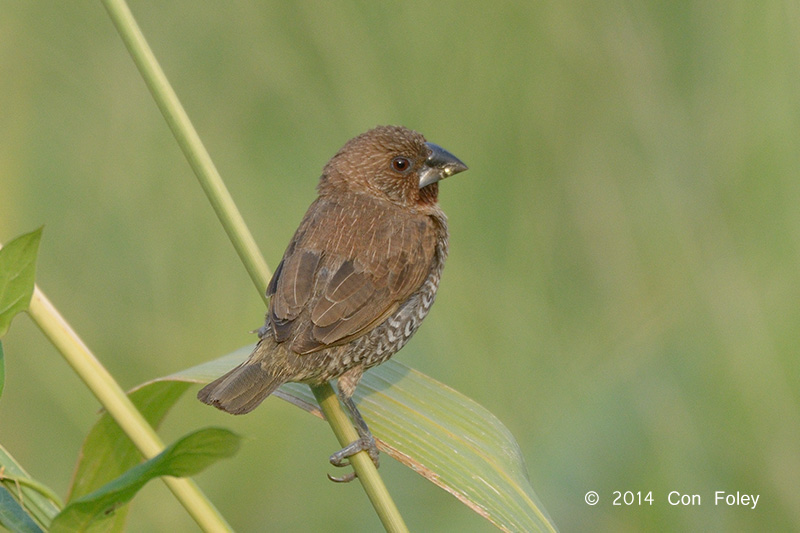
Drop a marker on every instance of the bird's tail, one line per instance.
(242, 389)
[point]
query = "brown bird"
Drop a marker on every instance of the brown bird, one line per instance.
(357, 278)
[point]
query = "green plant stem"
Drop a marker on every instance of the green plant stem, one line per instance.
(119, 406)
(373, 484)
(190, 143)
(237, 231)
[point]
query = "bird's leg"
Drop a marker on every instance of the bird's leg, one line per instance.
(365, 442)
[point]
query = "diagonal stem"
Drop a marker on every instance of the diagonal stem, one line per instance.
(368, 475)
(119, 406)
(190, 143)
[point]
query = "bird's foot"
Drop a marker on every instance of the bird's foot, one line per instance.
(366, 443)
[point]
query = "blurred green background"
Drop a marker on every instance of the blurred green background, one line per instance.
(623, 289)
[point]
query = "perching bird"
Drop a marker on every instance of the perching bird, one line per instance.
(357, 278)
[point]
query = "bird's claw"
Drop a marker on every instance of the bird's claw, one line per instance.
(347, 478)
(342, 458)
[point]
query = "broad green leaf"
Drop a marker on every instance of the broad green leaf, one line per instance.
(186, 457)
(107, 452)
(13, 517)
(434, 430)
(17, 275)
(37, 500)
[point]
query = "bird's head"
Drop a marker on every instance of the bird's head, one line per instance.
(392, 162)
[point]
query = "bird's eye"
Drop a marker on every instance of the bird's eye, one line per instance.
(401, 164)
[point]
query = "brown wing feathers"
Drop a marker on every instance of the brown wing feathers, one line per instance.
(321, 300)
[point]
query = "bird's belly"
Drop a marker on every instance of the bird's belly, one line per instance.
(376, 346)
(387, 338)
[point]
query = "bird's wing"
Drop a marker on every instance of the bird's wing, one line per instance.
(348, 267)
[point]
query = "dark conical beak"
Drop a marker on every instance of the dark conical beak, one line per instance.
(439, 165)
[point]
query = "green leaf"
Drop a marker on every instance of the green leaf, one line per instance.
(186, 457)
(434, 430)
(37, 500)
(107, 452)
(17, 275)
(13, 517)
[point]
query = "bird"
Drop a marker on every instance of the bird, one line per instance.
(357, 278)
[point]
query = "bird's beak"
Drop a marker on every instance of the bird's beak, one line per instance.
(439, 165)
